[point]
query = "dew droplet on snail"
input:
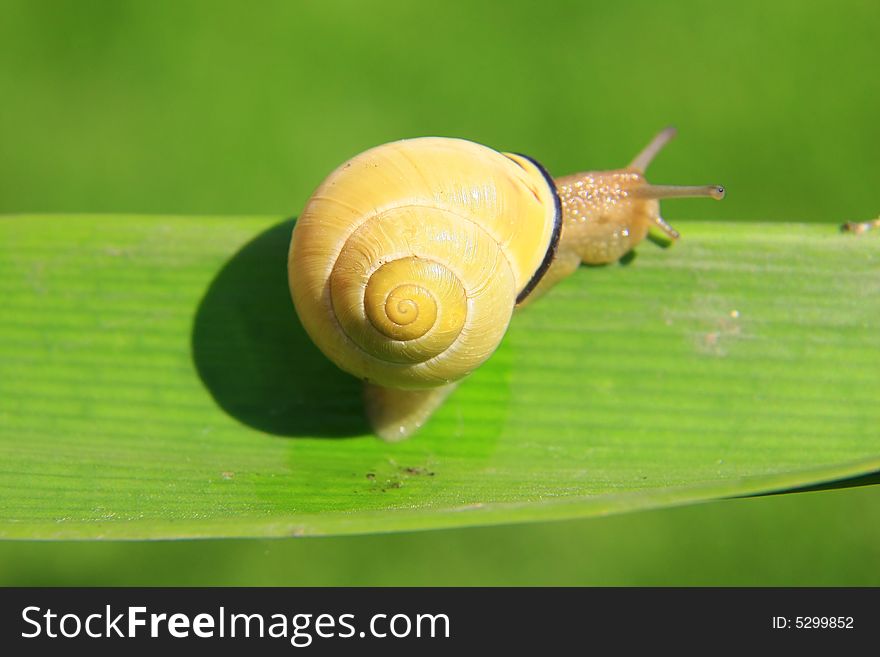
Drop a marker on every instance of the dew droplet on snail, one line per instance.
(408, 261)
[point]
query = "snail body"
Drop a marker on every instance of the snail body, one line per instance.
(408, 261)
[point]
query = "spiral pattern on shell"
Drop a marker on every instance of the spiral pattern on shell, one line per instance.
(404, 297)
(408, 296)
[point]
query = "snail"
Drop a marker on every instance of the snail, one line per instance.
(408, 261)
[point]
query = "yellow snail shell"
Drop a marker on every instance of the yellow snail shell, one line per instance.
(407, 261)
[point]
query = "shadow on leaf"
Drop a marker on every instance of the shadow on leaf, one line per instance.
(256, 359)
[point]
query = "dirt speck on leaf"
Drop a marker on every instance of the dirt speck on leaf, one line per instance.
(418, 471)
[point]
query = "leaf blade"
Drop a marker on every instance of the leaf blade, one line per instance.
(146, 387)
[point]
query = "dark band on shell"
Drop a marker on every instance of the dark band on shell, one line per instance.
(554, 238)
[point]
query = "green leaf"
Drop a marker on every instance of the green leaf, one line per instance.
(155, 383)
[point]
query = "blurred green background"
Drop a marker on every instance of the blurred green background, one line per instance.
(232, 107)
